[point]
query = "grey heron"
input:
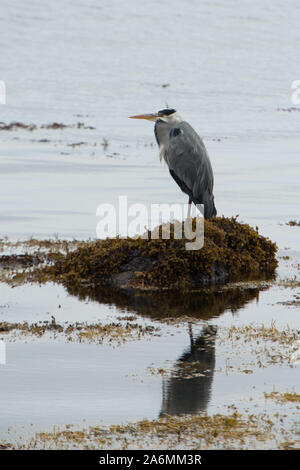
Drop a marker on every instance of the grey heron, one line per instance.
(186, 156)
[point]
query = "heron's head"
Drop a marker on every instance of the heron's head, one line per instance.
(168, 115)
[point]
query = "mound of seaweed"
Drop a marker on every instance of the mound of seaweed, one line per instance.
(231, 251)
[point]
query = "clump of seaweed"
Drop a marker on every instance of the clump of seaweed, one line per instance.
(14, 125)
(17, 125)
(289, 110)
(115, 333)
(287, 397)
(231, 251)
(55, 244)
(230, 431)
(293, 223)
(266, 346)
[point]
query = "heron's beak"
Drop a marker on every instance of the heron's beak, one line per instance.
(149, 117)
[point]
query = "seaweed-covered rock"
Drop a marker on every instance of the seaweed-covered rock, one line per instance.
(231, 251)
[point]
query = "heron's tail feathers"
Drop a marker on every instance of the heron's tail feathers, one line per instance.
(209, 206)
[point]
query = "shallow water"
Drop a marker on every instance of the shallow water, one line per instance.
(228, 70)
(49, 381)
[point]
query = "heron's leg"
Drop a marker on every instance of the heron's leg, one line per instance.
(190, 208)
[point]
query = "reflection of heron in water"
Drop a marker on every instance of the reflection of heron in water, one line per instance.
(189, 387)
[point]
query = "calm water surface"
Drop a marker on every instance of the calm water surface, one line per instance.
(229, 70)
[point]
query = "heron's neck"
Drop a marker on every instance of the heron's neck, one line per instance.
(162, 130)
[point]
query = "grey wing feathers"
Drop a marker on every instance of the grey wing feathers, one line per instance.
(190, 166)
